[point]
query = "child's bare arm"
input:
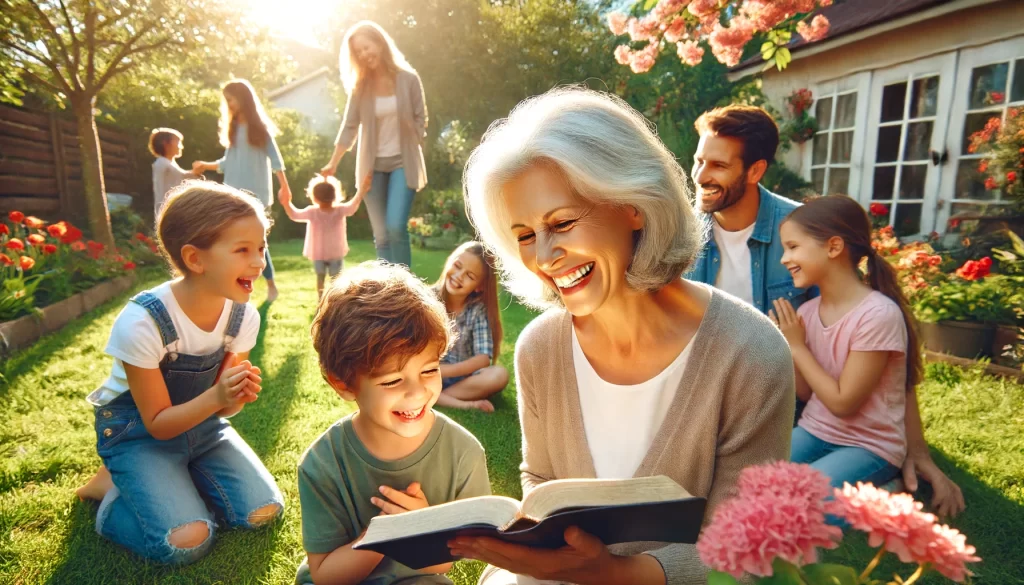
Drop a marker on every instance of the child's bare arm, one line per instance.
(285, 198)
(344, 566)
(465, 367)
(364, 187)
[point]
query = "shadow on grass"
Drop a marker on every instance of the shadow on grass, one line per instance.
(237, 556)
(992, 523)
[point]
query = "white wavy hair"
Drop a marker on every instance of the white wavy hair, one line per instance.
(608, 154)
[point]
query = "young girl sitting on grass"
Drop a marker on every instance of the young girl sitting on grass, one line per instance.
(468, 288)
(855, 349)
(326, 232)
(179, 370)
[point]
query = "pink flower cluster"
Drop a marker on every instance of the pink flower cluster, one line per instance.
(778, 513)
(896, 522)
(689, 22)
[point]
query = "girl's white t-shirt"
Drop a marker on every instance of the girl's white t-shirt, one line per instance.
(620, 421)
(135, 339)
(389, 140)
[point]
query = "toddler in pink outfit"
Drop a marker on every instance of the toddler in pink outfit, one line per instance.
(326, 239)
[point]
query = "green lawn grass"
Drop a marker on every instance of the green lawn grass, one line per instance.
(47, 448)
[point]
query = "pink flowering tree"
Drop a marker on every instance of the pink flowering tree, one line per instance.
(726, 26)
(772, 529)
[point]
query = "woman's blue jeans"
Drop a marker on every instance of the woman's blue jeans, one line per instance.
(388, 204)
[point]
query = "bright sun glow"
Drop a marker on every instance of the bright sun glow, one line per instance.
(295, 19)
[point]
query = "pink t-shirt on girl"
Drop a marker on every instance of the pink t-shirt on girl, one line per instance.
(326, 237)
(876, 324)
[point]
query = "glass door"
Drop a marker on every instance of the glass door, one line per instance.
(991, 85)
(908, 116)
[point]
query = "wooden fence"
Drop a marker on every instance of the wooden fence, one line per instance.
(41, 165)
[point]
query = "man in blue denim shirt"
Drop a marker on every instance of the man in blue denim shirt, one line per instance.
(743, 256)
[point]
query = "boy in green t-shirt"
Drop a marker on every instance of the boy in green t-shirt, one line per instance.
(380, 334)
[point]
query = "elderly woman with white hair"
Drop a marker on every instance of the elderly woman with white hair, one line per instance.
(632, 371)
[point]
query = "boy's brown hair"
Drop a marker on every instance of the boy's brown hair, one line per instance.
(159, 138)
(753, 126)
(196, 213)
(372, 313)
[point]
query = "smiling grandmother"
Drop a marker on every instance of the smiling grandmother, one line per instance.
(631, 371)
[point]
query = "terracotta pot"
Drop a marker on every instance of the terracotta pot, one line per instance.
(967, 339)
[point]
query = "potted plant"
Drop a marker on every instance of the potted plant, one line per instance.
(960, 314)
(801, 126)
(1002, 143)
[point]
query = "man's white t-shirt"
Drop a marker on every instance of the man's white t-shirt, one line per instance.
(620, 421)
(734, 276)
(135, 339)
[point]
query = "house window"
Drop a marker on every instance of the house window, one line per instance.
(832, 148)
(993, 88)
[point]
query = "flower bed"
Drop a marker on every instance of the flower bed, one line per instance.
(42, 264)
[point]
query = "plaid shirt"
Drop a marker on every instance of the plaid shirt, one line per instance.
(474, 335)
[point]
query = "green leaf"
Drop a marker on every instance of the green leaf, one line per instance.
(829, 574)
(767, 45)
(720, 578)
(650, 4)
(783, 58)
(768, 54)
(783, 573)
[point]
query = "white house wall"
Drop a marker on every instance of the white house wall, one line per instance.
(314, 101)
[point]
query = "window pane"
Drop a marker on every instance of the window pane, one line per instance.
(919, 141)
(818, 180)
(925, 97)
(893, 97)
(885, 181)
(846, 109)
(912, 180)
(839, 181)
(973, 123)
(820, 155)
(823, 113)
(970, 184)
(908, 219)
(1017, 89)
(988, 85)
(842, 144)
(888, 143)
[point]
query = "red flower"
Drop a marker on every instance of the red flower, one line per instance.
(14, 244)
(26, 263)
(36, 239)
(998, 96)
(887, 232)
(6, 260)
(991, 184)
(16, 216)
(154, 248)
(49, 249)
(57, 230)
(447, 226)
(129, 266)
(95, 249)
(1011, 177)
(975, 270)
(4, 230)
(77, 246)
(34, 222)
(877, 209)
(983, 166)
(71, 233)
(954, 223)
(934, 260)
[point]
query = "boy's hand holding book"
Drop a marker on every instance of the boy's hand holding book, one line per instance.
(401, 501)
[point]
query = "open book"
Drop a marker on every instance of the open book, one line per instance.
(619, 510)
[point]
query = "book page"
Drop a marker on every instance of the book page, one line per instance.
(561, 494)
(491, 510)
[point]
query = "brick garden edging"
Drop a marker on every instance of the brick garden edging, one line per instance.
(24, 331)
(990, 368)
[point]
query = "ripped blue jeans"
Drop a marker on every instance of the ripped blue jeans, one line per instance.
(206, 474)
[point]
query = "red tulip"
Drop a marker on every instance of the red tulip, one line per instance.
(129, 266)
(6, 260)
(57, 230)
(26, 263)
(14, 244)
(34, 222)
(49, 249)
(36, 239)
(16, 216)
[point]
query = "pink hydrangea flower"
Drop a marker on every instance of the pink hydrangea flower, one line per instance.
(623, 54)
(817, 30)
(778, 513)
(642, 60)
(617, 23)
(727, 42)
(704, 9)
(896, 522)
(644, 29)
(690, 53)
(675, 31)
(667, 8)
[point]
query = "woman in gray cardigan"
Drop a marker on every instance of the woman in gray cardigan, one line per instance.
(387, 113)
(632, 371)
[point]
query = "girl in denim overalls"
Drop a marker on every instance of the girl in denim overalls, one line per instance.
(172, 463)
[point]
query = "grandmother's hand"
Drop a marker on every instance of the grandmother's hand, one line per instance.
(584, 559)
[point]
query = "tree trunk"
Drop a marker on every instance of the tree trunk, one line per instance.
(92, 170)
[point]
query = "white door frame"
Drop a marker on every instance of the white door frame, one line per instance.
(945, 67)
